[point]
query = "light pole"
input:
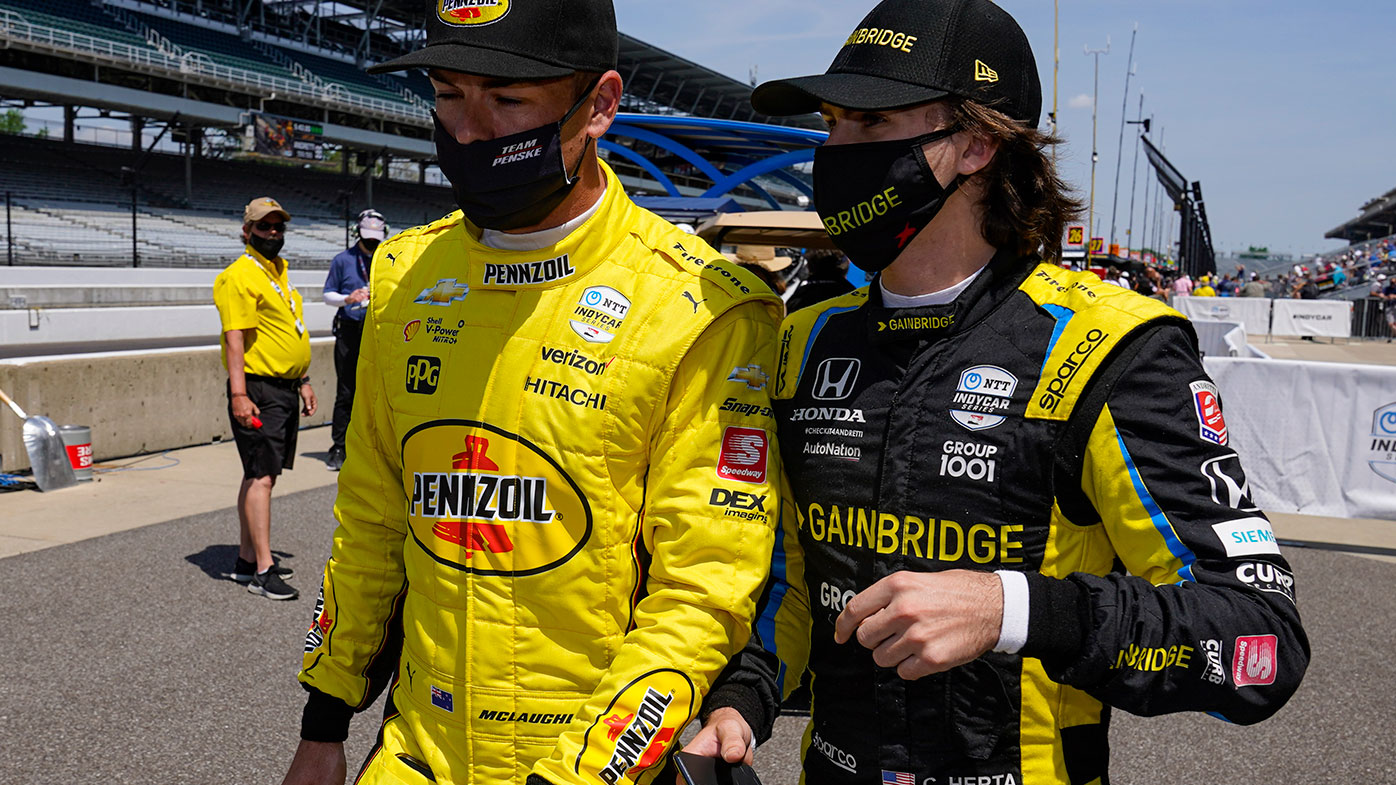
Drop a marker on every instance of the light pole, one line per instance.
(1095, 153)
(1120, 149)
(1134, 183)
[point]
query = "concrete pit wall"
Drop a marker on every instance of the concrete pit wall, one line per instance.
(136, 402)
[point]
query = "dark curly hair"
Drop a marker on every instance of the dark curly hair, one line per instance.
(1027, 205)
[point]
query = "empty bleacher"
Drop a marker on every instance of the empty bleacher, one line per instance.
(221, 48)
(68, 205)
(346, 75)
(75, 16)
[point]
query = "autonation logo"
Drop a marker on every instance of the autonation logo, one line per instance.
(1382, 457)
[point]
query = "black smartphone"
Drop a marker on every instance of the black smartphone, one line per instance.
(702, 770)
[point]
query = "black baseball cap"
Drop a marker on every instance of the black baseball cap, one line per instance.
(515, 39)
(909, 52)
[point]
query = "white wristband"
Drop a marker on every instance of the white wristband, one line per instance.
(1013, 634)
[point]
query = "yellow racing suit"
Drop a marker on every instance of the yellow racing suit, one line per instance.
(558, 506)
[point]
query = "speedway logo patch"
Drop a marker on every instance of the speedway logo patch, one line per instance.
(743, 456)
(1256, 661)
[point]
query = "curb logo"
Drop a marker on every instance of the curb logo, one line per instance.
(983, 73)
(471, 13)
(633, 734)
(487, 501)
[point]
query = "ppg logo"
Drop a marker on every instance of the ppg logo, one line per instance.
(835, 378)
(423, 375)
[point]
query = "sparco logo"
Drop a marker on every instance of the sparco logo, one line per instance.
(575, 359)
(835, 755)
(1065, 374)
(1213, 670)
(546, 271)
(835, 378)
(823, 414)
(1267, 577)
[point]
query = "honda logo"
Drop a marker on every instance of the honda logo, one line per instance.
(1229, 484)
(835, 378)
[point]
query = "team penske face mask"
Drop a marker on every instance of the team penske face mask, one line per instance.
(513, 181)
(875, 197)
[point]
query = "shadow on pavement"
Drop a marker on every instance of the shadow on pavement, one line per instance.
(217, 560)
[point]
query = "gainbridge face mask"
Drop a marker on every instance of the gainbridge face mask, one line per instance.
(875, 197)
(513, 181)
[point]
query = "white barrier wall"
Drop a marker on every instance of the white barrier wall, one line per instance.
(1315, 438)
(37, 327)
(1252, 312)
(1326, 318)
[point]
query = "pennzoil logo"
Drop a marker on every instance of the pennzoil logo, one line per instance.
(490, 502)
(472, 13)
(638, 729)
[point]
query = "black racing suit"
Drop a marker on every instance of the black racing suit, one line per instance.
(1044, 423)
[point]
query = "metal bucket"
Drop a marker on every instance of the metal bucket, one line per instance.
(77, 439)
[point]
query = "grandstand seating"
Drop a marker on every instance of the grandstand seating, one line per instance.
(347, 75)
(220, 47)
(69, 206)
(74, 16)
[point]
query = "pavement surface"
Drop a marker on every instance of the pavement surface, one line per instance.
(128, 658)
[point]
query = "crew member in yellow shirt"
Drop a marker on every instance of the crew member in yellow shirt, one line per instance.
(266, 351)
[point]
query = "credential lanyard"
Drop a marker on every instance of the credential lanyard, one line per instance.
(290, 301)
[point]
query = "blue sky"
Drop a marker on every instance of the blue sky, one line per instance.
(1284, 110)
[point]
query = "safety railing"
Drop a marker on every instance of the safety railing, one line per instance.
(196, 64)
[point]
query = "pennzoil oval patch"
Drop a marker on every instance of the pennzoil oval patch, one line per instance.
(489, 502)
(640, 726)
(472, 13)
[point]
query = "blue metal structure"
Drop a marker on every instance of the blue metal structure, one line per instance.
(730, 153)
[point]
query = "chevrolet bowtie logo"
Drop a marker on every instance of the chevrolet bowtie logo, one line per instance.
(983, 73)
(752, 375)
(444, 292)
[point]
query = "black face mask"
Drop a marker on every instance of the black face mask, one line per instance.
(513, 181)
(268, 247)
(875, 197)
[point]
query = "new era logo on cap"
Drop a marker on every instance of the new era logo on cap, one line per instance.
(983, 73)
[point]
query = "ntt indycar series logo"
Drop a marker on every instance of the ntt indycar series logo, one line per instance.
(1382, 457)
(599, 314)
(982, 396)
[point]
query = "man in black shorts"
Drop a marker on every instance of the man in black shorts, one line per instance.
(266, 351)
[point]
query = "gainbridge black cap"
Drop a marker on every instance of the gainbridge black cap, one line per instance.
(516, 39)
(909, 52)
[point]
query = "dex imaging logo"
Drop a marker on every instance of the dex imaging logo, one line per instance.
(1382, 457)
(835, 378)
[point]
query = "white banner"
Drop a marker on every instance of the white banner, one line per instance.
(1315, 438)
(1252, 312)
(1328, 318)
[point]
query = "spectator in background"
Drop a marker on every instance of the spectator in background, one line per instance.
(346, 288)
(1253, 288)
(1388, 293)
(1227, 287)
(1112, 275)
(762, 262)
(828, 278)
(1340, 277)
(1308, 290)
(1182, 285)
(1204, 288)
(266, 351)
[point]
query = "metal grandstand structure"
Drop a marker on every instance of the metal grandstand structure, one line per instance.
(1377, 218)
(209, 70)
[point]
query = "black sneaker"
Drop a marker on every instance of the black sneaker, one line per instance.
(243, 571)
(269, 585)
(335, 460)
